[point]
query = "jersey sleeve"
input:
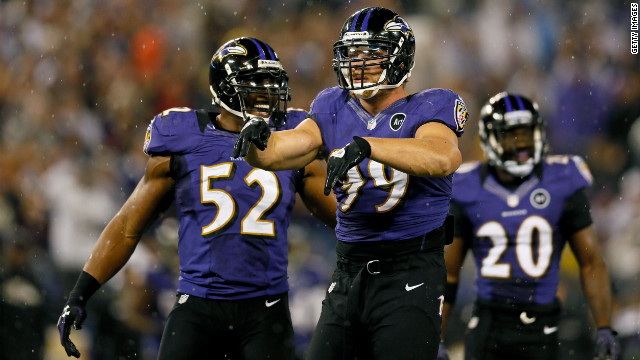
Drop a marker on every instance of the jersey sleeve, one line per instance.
(439, 105)
(580, 173)
(295, 117)
(174, 131)
(576, 213)
(317, 104)
(452, 111)
(326, 101)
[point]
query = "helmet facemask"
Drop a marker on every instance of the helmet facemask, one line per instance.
(354, 58)
(260, 92)
(515, 143)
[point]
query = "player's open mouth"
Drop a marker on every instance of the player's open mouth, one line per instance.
(262, 109)
(523, 155)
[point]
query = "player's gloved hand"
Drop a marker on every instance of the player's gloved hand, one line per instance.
(442, 352)
(344, 159)
(73, 314)
(607, 348)
(255, 130)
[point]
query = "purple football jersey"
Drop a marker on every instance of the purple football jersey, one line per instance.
(378, 202)
(517, 240)
(233, 217)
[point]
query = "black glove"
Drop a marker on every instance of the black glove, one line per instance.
(255, 130)
(73, 314)
(344, 159)
(442, 352)
(74, 311)
(607, 348)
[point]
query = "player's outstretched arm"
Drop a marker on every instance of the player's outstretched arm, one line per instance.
(288, 149)
(118, 240)
(116, 244)
(597, 289)
(433, 152)
(321, 206)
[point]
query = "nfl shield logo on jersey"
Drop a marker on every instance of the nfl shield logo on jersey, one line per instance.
(371, 124)
(183, 299)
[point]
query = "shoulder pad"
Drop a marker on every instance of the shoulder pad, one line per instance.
(443, 105)
(173, 131)
(583, 168)
(572, 167)
(295, 117)
(328, 99)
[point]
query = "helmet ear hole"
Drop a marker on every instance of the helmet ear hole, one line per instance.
(226, 89)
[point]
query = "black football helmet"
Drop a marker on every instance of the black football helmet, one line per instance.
(392, 46)
(246, 66)
(505, 112)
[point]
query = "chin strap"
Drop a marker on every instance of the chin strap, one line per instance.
(362, 93)
(366, 93)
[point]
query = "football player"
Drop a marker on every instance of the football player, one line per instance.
(231, 299)
(515, 212)
(391, 156)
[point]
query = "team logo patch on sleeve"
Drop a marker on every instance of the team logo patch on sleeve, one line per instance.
(147, 138)
(461, 114)
(583, 168)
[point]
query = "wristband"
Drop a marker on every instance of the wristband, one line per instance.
(85, 287)
(450, 292)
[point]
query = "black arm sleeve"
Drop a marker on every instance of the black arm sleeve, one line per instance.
(462, 225)
(576, 214)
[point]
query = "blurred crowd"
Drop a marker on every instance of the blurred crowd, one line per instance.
(80, 81)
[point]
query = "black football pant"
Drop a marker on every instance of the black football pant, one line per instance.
(501, 332)
(248, 329)
(384, 301)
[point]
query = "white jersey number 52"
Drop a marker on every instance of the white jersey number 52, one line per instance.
(252, 223)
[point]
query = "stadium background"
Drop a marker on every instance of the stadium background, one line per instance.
(80, 80)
